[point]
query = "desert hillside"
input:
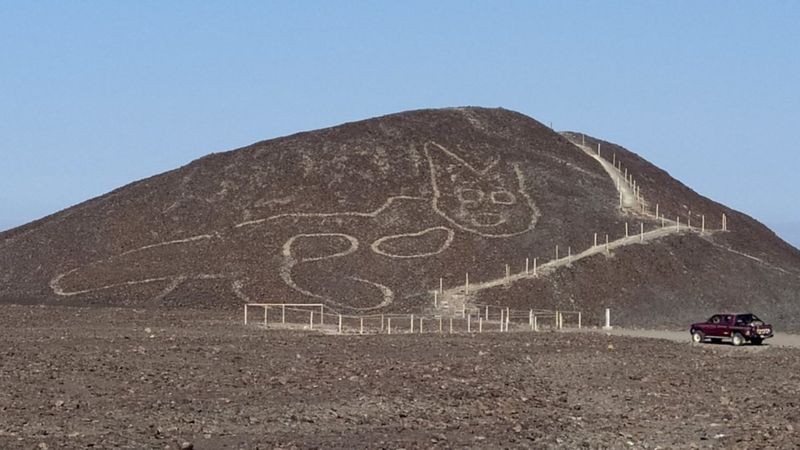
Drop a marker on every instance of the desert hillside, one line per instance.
(376, 215)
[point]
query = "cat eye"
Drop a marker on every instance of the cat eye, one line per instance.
(503, 198)
(469, 195)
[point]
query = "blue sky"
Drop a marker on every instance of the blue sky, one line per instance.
(94, 95)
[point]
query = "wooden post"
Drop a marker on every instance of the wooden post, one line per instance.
(388, 325)
(245, 313)
(382, 323)
(420, 325)
(412, 324)
(620, 199)
(435, 299)
(361, 326)
(608, 250)
(626, 229)
(508, 317)
(678, 223)
(569, 254)
(266, 308)
(502, 313)
(311, 321)
(487, 312)
(322, 315)
(656, 210)
(526, 266)
(703, 224)
(614, 159)
(283, 313)
(556, 319)
(579, 320)
(535, 323)
(556, 252)
(595, 240)
(451, 325)
(340, 324)
(464, 308)
(724, 222)
(480, 324)
(469, 323)
(598, 149)
(534, 266)
(530, 319)
(466, 284)
(441, 286)
(508, 271)
(440, 324)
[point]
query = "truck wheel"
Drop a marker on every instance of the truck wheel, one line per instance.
(698, 336)
(737, 339)
(756, 341)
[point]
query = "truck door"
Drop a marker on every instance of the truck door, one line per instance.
(726, 326)
(714, 326)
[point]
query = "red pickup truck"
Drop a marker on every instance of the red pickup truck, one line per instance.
(739, 328)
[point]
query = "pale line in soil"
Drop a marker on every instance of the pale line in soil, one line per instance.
(375, 246)
(373, 213)
(521, 189)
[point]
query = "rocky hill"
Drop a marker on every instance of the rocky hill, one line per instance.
(373, 215)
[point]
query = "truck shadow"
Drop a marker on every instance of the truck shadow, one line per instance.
(729, 343)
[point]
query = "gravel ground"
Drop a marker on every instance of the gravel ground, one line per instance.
(104, 378)
(779, 340)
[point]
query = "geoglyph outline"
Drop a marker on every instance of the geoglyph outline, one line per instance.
(288, 262)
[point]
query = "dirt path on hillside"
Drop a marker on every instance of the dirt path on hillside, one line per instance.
(457, 299)
(629, 200)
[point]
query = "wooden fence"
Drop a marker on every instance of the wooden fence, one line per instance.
(315, 316)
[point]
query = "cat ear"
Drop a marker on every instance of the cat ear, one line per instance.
(444, 161)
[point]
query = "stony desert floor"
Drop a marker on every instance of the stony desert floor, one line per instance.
(106, 378)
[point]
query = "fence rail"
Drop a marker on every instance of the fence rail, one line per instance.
(315, 316)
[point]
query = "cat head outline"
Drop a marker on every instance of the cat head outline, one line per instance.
(491, 201)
